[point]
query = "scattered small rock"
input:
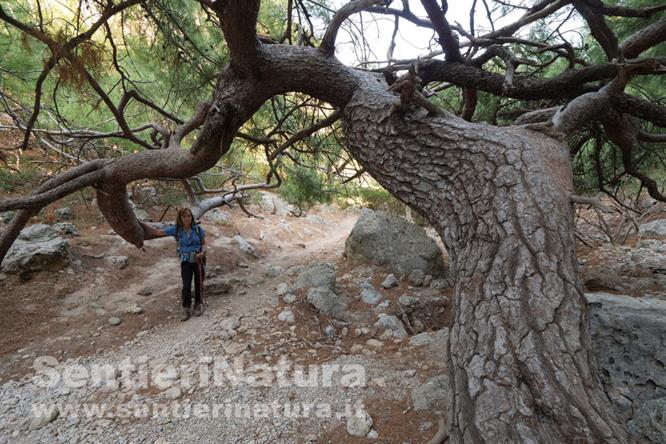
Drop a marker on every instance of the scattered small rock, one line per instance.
(427, 280)
(134, 309)
(66, 228)
(393, 325)
(147, 291)
(390, 281)
(374, 343)
(435, 389)
(407, 302)
(64, 213)
(416, 277)
(327, 302)
(230, 323)
(40, 421)
(236, 348)
(287, 316)
(289, 298)
(274, 271)
(282, 289)
(119, 262)
(245, 246)
(314, 219)
(379, 382)
(329, 331)
(439, 284)
(359, 423)
(369, 295)
(115, 320)
(173, 393)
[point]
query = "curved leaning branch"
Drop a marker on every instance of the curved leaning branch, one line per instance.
(328, 41)
(644, 39)
(566, 85)
(236, 99)
(592, 106)
(623, 11)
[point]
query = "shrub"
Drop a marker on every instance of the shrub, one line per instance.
(305, 187)
(15, 180)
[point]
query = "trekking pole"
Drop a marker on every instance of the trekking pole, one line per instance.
(202, 271)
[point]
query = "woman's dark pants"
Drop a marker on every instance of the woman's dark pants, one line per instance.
(187, 271)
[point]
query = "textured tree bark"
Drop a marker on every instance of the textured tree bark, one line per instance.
(519, 363)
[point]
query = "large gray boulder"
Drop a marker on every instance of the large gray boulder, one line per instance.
(628, 337)
(388, 240)
(656, 228)
(37, 233)
(648, 257)
(274, 204)
(637, 270)
(37, 248)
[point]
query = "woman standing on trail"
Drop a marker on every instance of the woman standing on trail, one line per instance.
(191, 239)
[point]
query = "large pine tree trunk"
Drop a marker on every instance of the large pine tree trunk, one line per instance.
(519, 362)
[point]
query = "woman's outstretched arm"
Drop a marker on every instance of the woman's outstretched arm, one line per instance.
(152, 232)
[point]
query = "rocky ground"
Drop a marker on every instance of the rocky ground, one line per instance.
(299, 342)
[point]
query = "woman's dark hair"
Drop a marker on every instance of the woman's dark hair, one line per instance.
(179, 217)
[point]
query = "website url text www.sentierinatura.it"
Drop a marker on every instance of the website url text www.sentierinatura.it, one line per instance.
(175, 410)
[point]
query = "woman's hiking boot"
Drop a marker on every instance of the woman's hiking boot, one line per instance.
(198, 310)
(187, 312)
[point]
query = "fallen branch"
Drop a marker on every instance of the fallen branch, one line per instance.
(581, 200)
(441, 435)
